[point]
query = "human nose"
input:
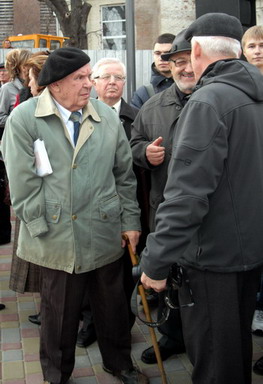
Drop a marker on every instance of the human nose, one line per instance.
(88, 81)
(188, 67)
(112, 79)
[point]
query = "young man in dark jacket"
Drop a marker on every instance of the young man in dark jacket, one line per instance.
(151, 143)
(161, 77)
(210, 220)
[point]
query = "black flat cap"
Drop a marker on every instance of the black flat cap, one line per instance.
(215, 24)
(179, 45)
(61, 63)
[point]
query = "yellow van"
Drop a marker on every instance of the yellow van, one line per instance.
(37, 41)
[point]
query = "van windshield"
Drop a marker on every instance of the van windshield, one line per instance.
(23, 44)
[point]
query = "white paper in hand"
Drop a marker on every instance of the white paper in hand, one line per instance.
(43, 166)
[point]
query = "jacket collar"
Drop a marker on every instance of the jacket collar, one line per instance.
(46, 107)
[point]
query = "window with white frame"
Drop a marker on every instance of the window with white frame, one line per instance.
(113, 27)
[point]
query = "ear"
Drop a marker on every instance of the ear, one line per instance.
(196, 50)
(54, 87)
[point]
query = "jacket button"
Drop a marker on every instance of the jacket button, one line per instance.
(54, 217)
(74, 217)
(74, 166)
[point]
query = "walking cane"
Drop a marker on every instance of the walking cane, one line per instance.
(134, 260)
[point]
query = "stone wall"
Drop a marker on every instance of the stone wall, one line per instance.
(176, 15)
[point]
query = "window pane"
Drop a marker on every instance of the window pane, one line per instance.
(23, 44)
(42, 43)
(113, 13)
(113, 27)
(116, 43)
(116, 28)
(54, 44)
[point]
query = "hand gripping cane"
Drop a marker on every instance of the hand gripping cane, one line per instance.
(134, 260)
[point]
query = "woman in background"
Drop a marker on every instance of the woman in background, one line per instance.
(25, 275)
(15, 65)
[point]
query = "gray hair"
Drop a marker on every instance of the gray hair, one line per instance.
(104, 61)
(219, 45)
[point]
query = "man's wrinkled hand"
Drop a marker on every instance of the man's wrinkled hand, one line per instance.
(133, 237)
(155, 153)
(156, 285)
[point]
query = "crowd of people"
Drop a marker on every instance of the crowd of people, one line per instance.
(179, 172)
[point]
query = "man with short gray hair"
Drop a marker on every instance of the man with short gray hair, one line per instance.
(210, 221)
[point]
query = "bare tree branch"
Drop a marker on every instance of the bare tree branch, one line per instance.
(72, 20)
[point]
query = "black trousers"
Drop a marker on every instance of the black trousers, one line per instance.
(217, 328)
(171, 330)
(5, 223)
(128, 286)
(62, 297)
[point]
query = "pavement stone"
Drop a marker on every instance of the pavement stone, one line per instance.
(19, 344)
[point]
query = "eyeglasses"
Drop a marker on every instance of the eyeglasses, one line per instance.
(107, 77)
(180, 63)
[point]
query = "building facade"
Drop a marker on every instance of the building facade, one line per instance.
(106, 25)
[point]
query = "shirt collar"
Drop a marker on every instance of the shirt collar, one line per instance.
(65, 113)
(117, 106)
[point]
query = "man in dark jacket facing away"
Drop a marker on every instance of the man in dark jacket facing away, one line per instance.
(210, 221)
(151, 143)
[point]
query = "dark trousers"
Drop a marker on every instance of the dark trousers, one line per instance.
(5, 223)
(62, 297)
(128, 286)
(171, 330)
(217, 328)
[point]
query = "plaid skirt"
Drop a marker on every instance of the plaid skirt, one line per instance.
(24, 275)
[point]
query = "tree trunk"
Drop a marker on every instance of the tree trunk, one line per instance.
(72, 21)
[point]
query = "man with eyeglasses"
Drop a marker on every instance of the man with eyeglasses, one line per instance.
(151, 142)
(161, 76)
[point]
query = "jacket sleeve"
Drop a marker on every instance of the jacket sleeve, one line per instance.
(126, 184)
(197, 163)
(25, 186)
(4, 106)
(140, 139)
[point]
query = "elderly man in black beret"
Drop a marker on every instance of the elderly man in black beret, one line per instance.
(77, 198)
(210, 221)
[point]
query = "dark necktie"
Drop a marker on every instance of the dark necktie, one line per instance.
(75, 117)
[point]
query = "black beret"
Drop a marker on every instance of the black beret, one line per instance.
(179, 45)
(215, 24)
(61, 63)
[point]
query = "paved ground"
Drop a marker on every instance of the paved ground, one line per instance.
(20, 344)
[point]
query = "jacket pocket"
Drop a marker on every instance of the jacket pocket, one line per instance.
(110, 209)
(53, 211)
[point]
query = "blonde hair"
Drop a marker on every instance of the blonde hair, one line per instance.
(255, 32)
(35, 63)
(14, 60)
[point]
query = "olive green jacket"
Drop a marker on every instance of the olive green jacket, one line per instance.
(73, 218)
